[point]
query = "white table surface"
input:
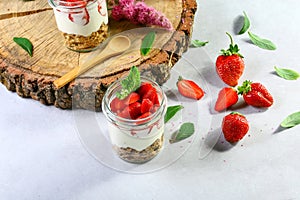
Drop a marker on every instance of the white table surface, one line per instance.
(41, 156)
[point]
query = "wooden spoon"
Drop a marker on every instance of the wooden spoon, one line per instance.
(115, 46)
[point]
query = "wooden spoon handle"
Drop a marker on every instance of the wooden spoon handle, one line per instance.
(71, 75)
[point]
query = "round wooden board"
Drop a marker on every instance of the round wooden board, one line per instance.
(33, 76)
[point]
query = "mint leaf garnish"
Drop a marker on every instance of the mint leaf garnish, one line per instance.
(291, 120)
(260, 42)
(147, 43)
(171, 111)
(246, 24)
(25, 44)
(198, 43)
(131, 83)
(186, 130)
(287, 74)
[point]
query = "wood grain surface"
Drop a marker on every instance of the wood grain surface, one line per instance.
(33, 77)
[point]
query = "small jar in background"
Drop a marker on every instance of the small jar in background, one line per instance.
(84, 23)
(135, 140)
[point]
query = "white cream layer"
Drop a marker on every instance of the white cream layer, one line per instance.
(121, 139)
(65, 25)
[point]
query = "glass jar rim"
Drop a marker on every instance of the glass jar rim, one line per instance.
(124, 121)
(75, 4)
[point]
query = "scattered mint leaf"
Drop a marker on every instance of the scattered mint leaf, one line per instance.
(287, 74)
(25, 44)
(260, 42)
(147, 43)
(171, 111)
(131, 83)
(186, 130)
(198, 43)
(291, 120)
(246, 24)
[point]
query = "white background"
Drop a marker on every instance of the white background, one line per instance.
(41, 156)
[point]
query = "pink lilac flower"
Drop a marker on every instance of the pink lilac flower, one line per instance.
(140, 13)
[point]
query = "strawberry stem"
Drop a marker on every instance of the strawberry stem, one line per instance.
(231, 40)
(236, 113)
(245, 87)
(180, 78)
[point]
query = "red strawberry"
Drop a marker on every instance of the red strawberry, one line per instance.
(230, 64)
(234, 126)
(146, 105)
(144, 88)
(151, 94)
(131, 98)
(132, 111)
(255, 94)
(117, 105)
(226, 98)
(145, 115)
(189, 89)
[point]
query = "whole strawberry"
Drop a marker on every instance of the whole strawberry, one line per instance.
(255, 94)
(230, 65)
(189, 88)
(227, 97)
(234, 126)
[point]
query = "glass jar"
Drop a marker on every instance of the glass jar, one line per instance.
(135, 140)
(84, 23)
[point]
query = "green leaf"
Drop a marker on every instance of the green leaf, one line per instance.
(147, 43)
(25, 44)
(130, 84)
(198, 43)
(262, 43)
(287, 74)
(246, 24)
(171, 111)
(185, 131)
(291, 120)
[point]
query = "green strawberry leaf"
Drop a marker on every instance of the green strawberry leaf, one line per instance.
(246, 24)
(287, 74)
(198, 43)
(171, 111)
(147, 43)
(130, 84)
(260, 42)
(291, 120)
(25, 44)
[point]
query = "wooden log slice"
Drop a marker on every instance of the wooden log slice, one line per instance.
(33, 76)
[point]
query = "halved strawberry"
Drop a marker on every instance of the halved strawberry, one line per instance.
(189, 89)
(132, 111)
(131, 98)
(145, 115)
(151, 94)
(146, 105)
(226, 98)
(144, 88)
(117, 105)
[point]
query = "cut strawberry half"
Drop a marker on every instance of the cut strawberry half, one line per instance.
(151, 94)
(144, 88)
(132, 111)
(189, 88)
(143, 116)
(131, 98)
(117, 105)
(146, 105)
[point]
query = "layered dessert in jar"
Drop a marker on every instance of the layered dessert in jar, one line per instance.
(84, 23)
(136, 123)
